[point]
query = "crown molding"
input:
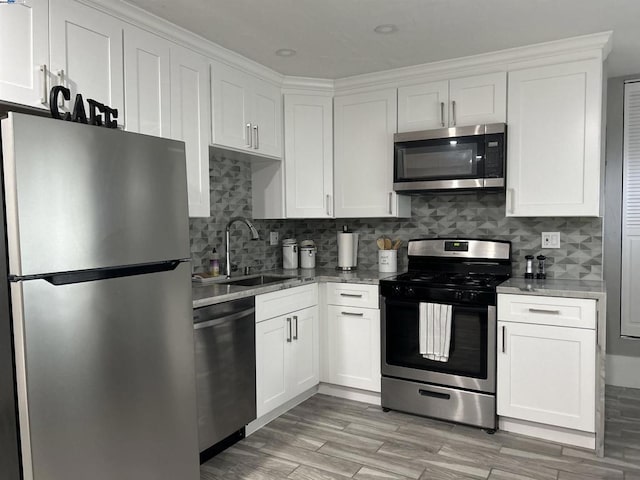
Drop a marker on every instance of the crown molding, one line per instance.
(137, 17)
(302, 85)
(593, 45)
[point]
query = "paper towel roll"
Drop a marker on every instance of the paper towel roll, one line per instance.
(347, 249)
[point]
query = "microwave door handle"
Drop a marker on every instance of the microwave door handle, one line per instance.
(442, 113)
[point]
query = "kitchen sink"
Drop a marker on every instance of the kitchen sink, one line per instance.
(257, 280)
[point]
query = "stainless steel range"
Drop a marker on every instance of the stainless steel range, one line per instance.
(460, 385)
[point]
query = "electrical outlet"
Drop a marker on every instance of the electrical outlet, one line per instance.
(550, 239)
(273, 238)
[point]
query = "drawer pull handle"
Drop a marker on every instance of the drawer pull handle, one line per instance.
(427, 393)
(351, 314)
(352, 295)
(504, 339)
(543, 310)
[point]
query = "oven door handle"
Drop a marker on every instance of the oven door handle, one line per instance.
(429, 393)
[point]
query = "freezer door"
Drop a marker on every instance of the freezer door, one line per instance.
(106, 379)
(80, 197)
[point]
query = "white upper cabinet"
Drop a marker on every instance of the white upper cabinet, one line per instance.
(247, 112)
(86, 53)
(553, 159)
(423, 107)
(147, 79)
(479, 99)
(450, 103)
(364, 127)
(190, 122)
(308, 140)
(24, 53)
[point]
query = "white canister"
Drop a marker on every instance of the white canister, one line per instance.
(289, 253)
(388, 261)
(308, 254)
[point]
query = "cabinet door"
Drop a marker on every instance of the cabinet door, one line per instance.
(231, 105)
(354, 347)
(479, 99)
(272, 364)
(555, 115)
(86, 53)
(305, 348)
(423, 107)
(147, 78)
(24, 53)
(547, 374)
(364, 128)
(267, 119)
(308, 156)
(190, 122)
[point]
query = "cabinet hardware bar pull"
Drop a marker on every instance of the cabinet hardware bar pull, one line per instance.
(295, 336)
(442, 113)
(353, 295)
(289, 329)
(351, 314)
(390, 203)
(511, 200)
(453, 109)
(45, 91)
(61, 83)
(329, 205)
(257, 142)
(249, 136)
(504, 334)
(543, 310)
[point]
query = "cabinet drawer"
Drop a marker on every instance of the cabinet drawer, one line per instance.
(352, 295)
(285, 301)
(558, 311)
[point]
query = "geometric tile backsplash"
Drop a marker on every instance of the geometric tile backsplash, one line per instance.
(474, 215)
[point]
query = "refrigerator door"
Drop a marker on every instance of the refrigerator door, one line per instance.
(106, 378)
(80, 197)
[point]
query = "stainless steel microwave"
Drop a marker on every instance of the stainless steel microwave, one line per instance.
(460, 158)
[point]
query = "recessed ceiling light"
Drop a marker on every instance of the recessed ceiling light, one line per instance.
(386, 29)
(286, 52)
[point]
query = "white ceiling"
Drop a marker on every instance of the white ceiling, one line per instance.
(335, 38)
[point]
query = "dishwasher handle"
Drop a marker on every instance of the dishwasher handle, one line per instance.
(227, 318)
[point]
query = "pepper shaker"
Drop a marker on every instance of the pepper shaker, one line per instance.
(542, 274)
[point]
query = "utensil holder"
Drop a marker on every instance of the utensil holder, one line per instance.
(388, 261)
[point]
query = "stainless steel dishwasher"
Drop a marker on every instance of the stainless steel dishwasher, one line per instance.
(225, 370)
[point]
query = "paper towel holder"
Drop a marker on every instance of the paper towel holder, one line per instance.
(347, 250)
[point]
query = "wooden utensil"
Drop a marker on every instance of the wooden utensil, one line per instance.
(396, 244)
(387, 244)
(380, 243)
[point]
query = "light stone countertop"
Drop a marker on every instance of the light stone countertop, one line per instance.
(555, 288)
(211, 293)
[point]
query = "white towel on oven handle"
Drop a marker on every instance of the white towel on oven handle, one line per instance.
(435, 331)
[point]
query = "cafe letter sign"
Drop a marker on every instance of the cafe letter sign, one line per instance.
(99, 114)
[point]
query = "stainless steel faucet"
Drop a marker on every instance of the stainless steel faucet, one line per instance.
(254, 236)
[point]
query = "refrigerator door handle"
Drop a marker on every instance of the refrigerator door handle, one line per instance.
(67, 278)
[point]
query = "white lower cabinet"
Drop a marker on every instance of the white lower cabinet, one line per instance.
(287, 349)
(353, 338)
(547, 372)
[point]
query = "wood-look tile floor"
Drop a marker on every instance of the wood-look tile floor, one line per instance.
(330, 438)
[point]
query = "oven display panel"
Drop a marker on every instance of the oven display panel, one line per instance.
(452, 246)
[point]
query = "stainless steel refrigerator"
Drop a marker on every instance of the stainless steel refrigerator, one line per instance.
(96, 334)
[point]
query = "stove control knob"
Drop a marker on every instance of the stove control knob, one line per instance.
(410, 292)
(473, 295)
(458, 295)
(397, 290)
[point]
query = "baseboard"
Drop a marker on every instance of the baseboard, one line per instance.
(350, 393)
(549, 432)
(258, 423)
(623, 371)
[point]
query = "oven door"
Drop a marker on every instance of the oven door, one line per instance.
(472, 357)
(440, 163)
